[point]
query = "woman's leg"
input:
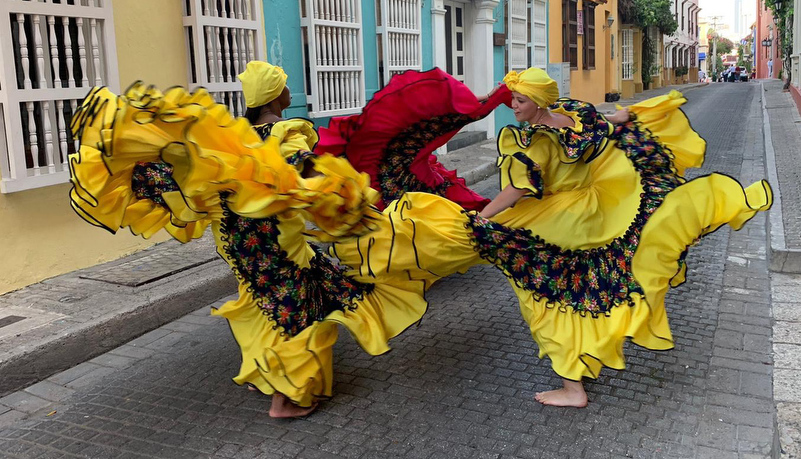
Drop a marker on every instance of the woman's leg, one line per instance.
(572, 394)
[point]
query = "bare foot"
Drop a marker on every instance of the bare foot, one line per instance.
(282, 407)
(571, 395)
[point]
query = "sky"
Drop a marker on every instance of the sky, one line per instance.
(725, 9)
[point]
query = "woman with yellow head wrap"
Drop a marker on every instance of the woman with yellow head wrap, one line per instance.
(591, 226)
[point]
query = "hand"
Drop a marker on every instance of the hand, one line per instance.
(619, 117)
(485, 98)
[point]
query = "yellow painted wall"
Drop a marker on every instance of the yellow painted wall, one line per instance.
(589, 85)
(150, 42)
(40, 234)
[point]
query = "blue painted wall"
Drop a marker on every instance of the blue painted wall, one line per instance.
(427, 43)
(503, 114)
(285, 48)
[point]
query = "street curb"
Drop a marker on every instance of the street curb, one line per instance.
(200, 285)
(780, 258)
(479, 173)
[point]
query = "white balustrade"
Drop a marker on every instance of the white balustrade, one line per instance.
(400, 36)
(226, 35)
(45, 45)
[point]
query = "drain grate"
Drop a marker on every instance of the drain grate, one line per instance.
(8, 320)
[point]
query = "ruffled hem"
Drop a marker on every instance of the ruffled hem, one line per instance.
(212, 155)
(669, 125)
(301, 366)
(389, 119)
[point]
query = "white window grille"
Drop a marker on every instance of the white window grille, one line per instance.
(221, 38)
(627, 53)
(539, 34)
(333, 57)
(50, 55)
(399, 37)
(517, 41)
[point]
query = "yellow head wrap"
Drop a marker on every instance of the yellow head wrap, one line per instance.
(535, 84)
(261, 83)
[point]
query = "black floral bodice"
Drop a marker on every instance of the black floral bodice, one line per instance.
(587, 142)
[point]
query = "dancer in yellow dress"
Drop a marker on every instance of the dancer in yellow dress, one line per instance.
(179, 162)
(591, 226)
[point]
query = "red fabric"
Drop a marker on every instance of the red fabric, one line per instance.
(408, 99)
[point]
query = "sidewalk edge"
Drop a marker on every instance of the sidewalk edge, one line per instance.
(780, 258)
(109, 332)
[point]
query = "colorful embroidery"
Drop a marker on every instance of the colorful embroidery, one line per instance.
(394, 176)
(291, 296)
(151, 179)
(592, 139)
(588, 281)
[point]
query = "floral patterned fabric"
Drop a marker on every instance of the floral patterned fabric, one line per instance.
(591, 139)
(151, 179)
(394, 175)
(293, 297)
(589, 281)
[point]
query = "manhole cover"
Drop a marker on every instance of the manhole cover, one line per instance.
(148, 268)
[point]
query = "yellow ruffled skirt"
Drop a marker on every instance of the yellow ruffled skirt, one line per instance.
(179, 162)
(619, 241)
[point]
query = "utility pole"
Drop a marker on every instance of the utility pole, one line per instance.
(714, 22)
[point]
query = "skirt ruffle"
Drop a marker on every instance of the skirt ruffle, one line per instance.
(416, 113)
(210, 155)
(301, 366)
(421, 236)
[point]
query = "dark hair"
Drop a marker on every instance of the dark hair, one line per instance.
(252, 114)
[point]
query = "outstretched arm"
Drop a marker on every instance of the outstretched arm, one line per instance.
(619, 117)
(505, 199)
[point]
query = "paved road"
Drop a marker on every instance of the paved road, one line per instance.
(462, 383)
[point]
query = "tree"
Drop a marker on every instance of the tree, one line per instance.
(645, 14)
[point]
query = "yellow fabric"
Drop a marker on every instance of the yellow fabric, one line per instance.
(535, 84)
(294, 135)
(584, 206)
(261, 83)
(211, 152)
(301, 367)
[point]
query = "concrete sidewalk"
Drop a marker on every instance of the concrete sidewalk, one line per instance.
(60, 322)
(782, 135)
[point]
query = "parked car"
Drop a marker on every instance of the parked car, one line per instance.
(743, 74)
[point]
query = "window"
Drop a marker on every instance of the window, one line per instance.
(627, 53)
(570, 32)
(333, 56)
(589, 36)
(398, 35)
(217, 54)
(56, 52)
(517, 32)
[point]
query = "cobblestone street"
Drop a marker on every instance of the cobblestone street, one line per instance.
(462, 383)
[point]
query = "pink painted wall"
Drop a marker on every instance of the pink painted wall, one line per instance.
(764, 23)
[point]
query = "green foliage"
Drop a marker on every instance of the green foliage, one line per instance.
(647, 13)
(681, 70)
(785, 28)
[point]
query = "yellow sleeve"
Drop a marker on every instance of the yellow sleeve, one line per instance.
(296, 138)
(522, 161)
